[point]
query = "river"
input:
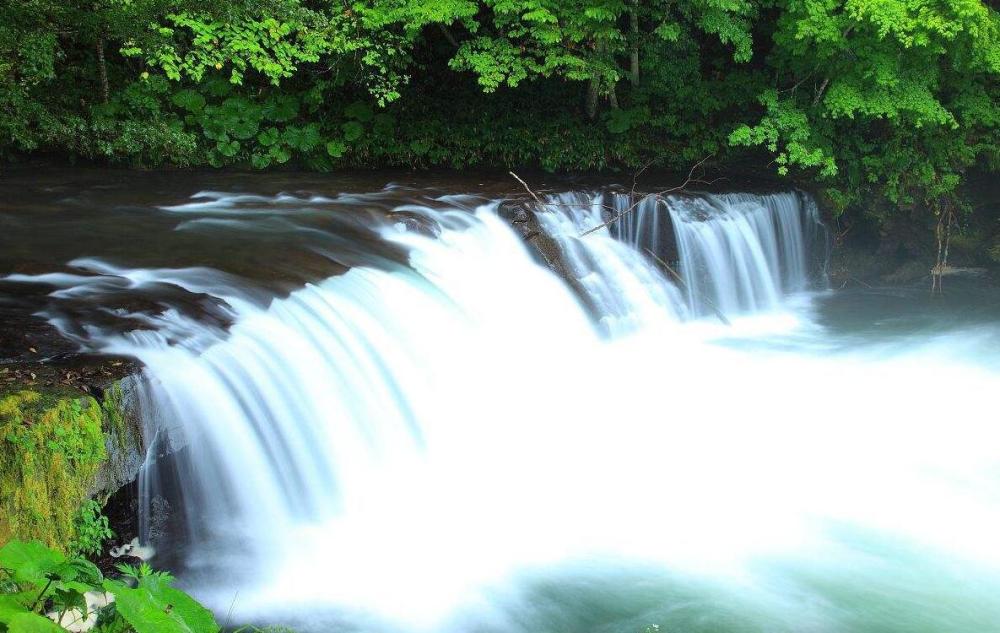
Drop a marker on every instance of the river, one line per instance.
(384, 412)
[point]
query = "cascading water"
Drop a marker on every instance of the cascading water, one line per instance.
(447, 442)
(744, 252)
(736, 252)
(626, 288)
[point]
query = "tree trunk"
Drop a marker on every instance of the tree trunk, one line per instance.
(633, 18)
(592, 94)
(102, 69)
(447, 34)
(613, 97)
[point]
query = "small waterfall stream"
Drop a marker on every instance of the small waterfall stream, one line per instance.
(735, 253)
(742, 252)
(456, 439)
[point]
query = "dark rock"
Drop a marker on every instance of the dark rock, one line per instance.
(545, 249)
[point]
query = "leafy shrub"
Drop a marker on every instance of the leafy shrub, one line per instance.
(92, 529)
(42, 580)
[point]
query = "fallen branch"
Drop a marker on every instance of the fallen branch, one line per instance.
(658, 195)
(635, 179)
(632, 197)
(861, 283)
(553, 203)
(527, 188)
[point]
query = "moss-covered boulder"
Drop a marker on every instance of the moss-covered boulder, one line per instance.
(58, 448)
(123, 439)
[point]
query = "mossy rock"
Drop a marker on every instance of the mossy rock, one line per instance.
(123, 440)
(52, 446)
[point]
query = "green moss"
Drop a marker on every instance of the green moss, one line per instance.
(51, 446)
(114, 415)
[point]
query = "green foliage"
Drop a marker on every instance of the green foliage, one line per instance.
(880, 94)
(192, 44)
(51, 448)
(156, 607)
(44, 580)
(91, 528)
(41, 578)
(30, 562)
(889, 102)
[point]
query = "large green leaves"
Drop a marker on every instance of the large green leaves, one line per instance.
(190, 100)
(156, 607)
(32, 562)
(10, 606)
(336, 148)
(304, 138)
(281, 108)
(153, 606)
(32, 623)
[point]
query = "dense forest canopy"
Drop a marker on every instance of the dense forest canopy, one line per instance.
(887, 100)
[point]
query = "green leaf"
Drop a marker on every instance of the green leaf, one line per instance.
(359, 110)
(30, 562)
(304, 139)
(81, 570)
(353, 130)
(228, 148)
(336, 148)
(65, 599)
(32, 623)
(260, 161)
(279, 154)
(311, 137)
(190, 100)
(268, 137)
(281, 108)
(156, 607)
(243, 129)
(9, 607)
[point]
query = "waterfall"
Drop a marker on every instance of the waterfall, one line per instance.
(735, 253)
(741, 252)
(627, 289)
(452, 437)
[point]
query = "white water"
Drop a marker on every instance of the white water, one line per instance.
(627, 288)
(455, 445)
(736, 253)
(752, 252)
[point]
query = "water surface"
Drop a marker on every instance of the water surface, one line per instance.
(386, 414)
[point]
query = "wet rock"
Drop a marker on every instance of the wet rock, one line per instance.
(414, 223)
(544, 249)
(123, 439)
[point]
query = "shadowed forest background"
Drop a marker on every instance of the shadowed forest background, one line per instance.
(884, 107)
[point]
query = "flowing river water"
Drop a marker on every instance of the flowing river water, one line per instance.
(381, 411)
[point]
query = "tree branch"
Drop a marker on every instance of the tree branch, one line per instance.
(660, 194)
(527, 188)
(447, 34)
